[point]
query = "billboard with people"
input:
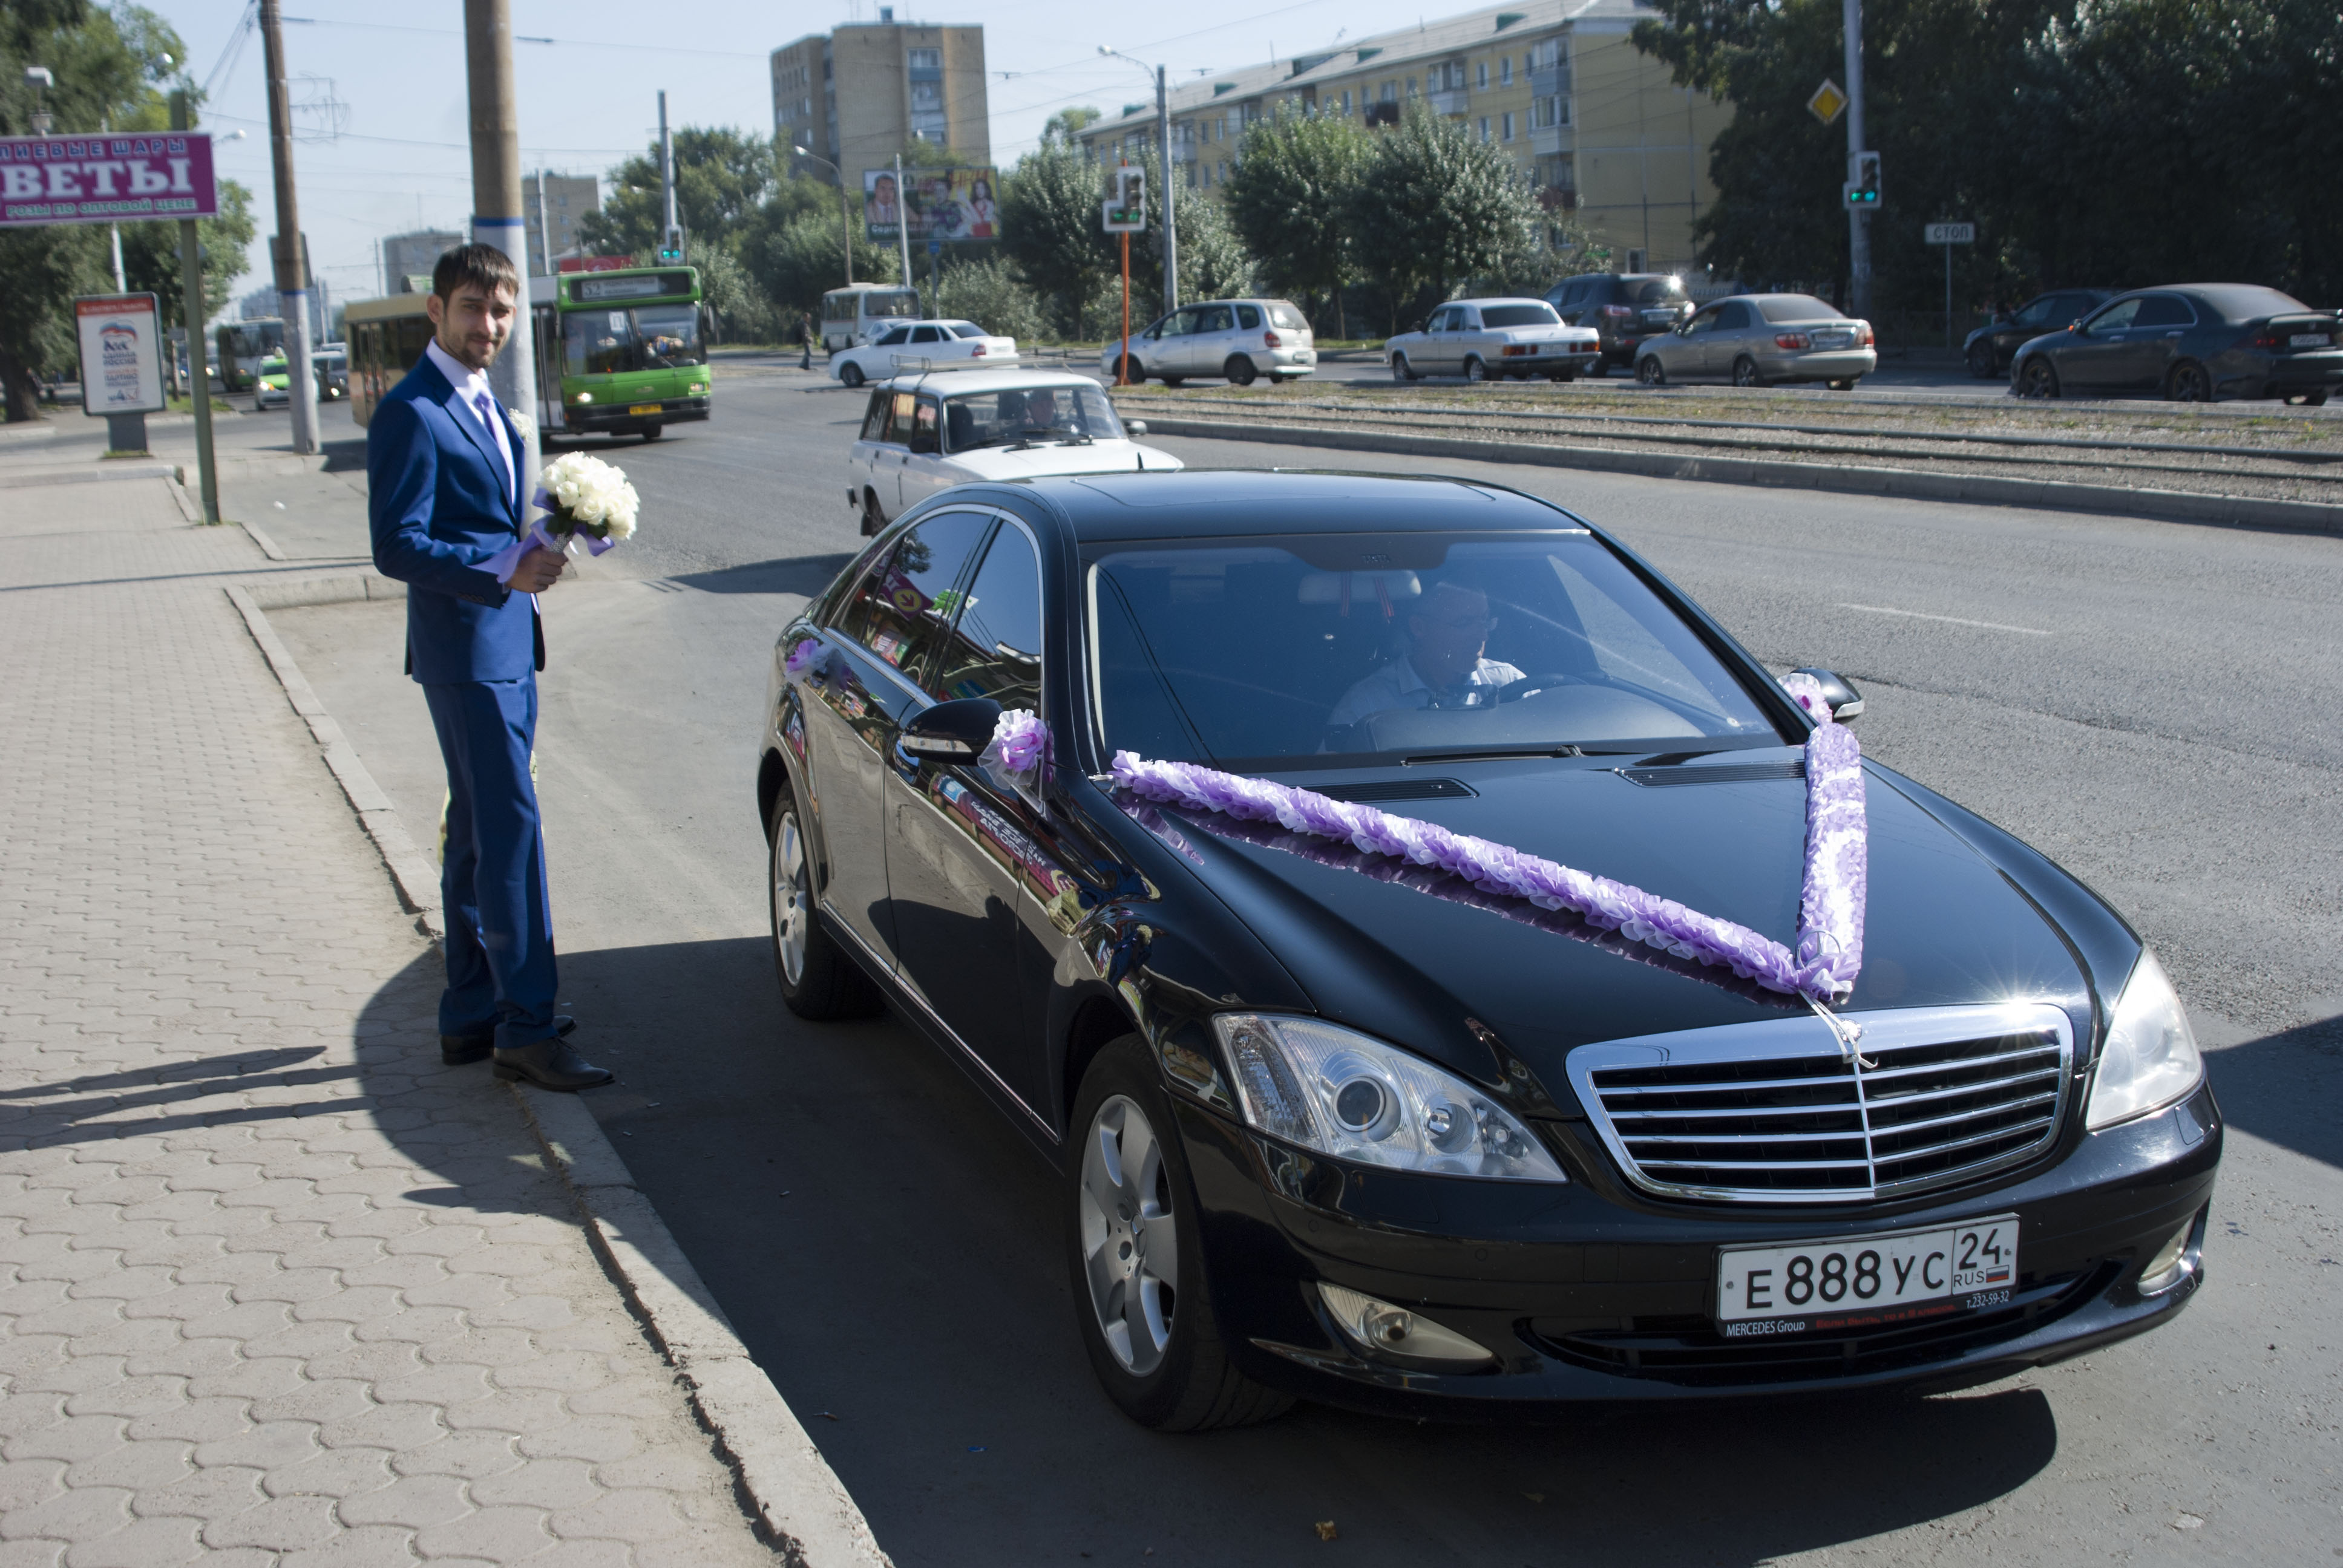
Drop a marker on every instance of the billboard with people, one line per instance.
(955, 204)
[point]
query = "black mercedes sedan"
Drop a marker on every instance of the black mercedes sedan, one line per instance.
(2194, 343)
(1372, 896)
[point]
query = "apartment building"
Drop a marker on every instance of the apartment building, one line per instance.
(1595, 124)
(413, 254)
(554, 203)
(862, 95)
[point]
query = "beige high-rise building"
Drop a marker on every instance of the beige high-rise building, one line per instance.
(862, 94)
(553, 232)
(1592, 123)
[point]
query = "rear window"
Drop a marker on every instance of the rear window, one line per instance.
(2245, 301)
(1657, 291)
(965, 329)
(1283, 314)
(1795, 307)
(1538, 315)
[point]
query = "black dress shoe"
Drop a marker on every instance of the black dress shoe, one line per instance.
(461, 1050)
(549, 1064)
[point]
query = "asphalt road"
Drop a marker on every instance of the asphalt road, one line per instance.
(2150, 703)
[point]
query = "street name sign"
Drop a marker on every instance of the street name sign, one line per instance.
(106, 179)
(1952, 234)
(1828, 102)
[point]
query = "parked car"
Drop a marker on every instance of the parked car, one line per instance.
(332, 364)
(1759, 340)
(1490, 339)
(268, 388)
(1320, 1125)
(923, 434)
(1623, 308)
(2193, 342)
(914, 346)
(1233, 340)
(1989, 349)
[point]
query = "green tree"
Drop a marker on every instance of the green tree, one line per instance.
(799, 259)
(1067, 123)
(1290, 198)
(1050, 228)
(723, 177)
(988, 291)
(1436, 208)
(110, 67)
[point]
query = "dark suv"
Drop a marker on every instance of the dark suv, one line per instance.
(1624, 307)
(1989, 348)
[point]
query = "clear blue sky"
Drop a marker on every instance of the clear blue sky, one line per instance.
(589, 99)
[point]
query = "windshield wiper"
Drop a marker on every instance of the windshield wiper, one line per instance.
(1490, 754)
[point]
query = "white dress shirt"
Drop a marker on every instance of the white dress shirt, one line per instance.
(1397, 685)
(472, 386)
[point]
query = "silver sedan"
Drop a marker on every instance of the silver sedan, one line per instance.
(1761, 339)
(1490, 339)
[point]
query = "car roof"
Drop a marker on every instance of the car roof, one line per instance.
(1501, 300)
(989, 380)
(1223, 502)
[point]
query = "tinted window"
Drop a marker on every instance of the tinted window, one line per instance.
(966, 329)
(1795, 307)
(1270, 647)
(2164, 310)
(1733, 315)
(900, 334)
(902, 608)
(1538, 315)
(925, 335)
(1249, 318)
(995, 649)
(2041, 312)
(1656, 291)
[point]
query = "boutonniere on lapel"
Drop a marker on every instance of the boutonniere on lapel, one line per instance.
(583, 495)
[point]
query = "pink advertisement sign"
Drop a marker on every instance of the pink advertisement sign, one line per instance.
(106, 179)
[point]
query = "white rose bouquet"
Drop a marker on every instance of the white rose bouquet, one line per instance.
(583, 495)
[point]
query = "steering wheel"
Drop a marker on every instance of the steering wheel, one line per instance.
(1530, 685)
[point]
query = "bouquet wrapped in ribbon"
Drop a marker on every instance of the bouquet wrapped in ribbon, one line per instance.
(583, 496)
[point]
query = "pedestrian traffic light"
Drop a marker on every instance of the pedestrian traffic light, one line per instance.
(1862, 192)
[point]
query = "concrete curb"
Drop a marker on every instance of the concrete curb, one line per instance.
(302, 592)
(796, 1497)
(97, 473)
(2052, 495)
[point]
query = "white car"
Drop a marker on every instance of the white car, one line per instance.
(1490, 339)
(1234, 340)
(922, 434)
(923, 346)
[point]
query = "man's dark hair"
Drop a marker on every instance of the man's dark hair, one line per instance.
(482, 265)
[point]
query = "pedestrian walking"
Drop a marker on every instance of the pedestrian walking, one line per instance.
(805, 336)
(447, 518)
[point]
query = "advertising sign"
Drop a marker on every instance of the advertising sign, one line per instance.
(955, 204)
(106, 179)
(594, 263)
(121, 354)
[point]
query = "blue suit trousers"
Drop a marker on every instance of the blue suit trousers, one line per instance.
(501, 973)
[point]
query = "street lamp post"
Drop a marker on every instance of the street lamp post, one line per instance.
(845, 212)
(1163, 129)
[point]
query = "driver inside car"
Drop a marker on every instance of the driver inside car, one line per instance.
(1443, 666)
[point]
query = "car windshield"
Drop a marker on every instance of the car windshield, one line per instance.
(1027, 415)
(1795, 307)
(647, 337)
(1539, 314)
(1286, 651)
(1656, 291)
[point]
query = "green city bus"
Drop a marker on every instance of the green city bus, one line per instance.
(619, 353)
(242, 345)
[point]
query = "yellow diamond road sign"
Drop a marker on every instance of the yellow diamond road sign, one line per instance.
(1829, 102)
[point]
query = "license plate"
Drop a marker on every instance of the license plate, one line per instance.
(1831, 340)
(642, 407)
(1861, 1282)
(2308, 340)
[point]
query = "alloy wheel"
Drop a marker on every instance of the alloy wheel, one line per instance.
(1400, 371)
(790, 896)
(2190, 384)
(2037, 380)
(1475, 370)
(1744, 373)
(1238, 370)
(1130, 1239)
(1980, 358)
(1651, 372)
(850, 374)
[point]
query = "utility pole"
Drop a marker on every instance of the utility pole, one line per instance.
(1171, 195)
(292, 276)
(543, 227)
(1858, 221)
(191, 270)
(498, 217)
(670, 232)
(902, 221)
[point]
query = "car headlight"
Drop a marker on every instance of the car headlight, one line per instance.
(1344, 1095)
(2150, 1058)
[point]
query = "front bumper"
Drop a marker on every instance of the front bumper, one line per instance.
(1589, 1293)
(591, 417)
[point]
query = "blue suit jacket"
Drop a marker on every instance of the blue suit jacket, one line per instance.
(437, 504)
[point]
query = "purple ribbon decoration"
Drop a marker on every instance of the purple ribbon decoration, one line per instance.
(594, 547)
(1019, 754)
(801, 654)
(1829, 952)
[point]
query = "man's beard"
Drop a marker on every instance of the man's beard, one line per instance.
(459, 350)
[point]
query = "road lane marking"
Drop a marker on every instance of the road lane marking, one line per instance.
(1953, 619)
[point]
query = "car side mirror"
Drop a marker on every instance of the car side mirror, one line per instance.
(1845, 701)
(955, 731)
(1134, 427)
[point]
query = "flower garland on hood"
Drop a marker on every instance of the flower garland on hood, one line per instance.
(1821, 969)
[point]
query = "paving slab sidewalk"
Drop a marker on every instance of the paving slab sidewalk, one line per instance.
(275, 1287)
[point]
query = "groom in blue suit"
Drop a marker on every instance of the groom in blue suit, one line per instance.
(444, 472)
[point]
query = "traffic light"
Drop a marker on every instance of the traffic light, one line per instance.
(671, 252)
(1862, 192)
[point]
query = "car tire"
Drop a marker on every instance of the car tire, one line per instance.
(2308, 399)
(1127, 1185)
(2037, 377)
(1173, 381)
(1651, 372)
(1130, 372)
(651, 432)
(1745, 371)
(1981, 361)
(1847, 385)
(851, 374)
(1239, 370)
(1402, 370)
(2188, 382)
(827, 983)
(1560, 376)
(1474, 370)
(874, 519)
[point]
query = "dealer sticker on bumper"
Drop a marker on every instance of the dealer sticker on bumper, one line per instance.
(1863, 1281)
